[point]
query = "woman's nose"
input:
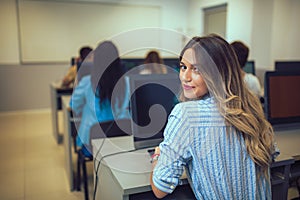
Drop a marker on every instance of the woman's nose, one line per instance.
(186, 76)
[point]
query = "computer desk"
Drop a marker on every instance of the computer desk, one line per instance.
(56, 92)
(129, 172)
(288, 140)
(126, 175)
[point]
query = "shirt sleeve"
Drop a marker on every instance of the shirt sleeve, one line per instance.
(173, 153)
(70, 76)
(78, 96)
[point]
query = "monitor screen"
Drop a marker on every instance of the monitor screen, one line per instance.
(152, 99)
(73, 61)
(173, 63)
(282, 97)
(249, 67)
(130, 63)
(287, 65)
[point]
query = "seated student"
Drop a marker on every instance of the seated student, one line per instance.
(242, 52)
(93, 97)
(69, 78)
(218, 134)
(153, 64)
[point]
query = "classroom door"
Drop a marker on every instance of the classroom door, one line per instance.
(215, 20)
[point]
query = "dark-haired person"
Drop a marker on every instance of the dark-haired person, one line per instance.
(94, 97)
(218, 133)
(153, 64)
(242, 52)
(69, 78)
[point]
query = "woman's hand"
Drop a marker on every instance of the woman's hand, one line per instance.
(159, 194)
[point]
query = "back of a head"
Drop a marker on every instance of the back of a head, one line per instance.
(153, 57)
(107, 69)
(84, 52)
(153, 64)
(242, 52)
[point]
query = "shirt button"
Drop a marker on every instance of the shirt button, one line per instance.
(172, 187)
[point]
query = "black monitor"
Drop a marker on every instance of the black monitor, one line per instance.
(172, 63)
(282, 97)
(287, 65)
(153, 97)
(73, 61)
(249, 67)
(130, 63)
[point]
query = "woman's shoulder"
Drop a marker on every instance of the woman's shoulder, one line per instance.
(199, 112)
(201, 103)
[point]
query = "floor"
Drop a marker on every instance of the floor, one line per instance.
(32, 164)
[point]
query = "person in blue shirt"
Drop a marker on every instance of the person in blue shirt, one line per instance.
(98, 97)
(218, 133)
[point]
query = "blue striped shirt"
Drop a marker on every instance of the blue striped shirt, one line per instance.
(214, 156)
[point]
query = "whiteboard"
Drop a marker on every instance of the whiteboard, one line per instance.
(53, 31)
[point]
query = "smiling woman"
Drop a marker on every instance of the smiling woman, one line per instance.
(218, 134)
(193, 84)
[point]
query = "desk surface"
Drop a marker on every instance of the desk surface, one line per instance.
(134, 166)
(283, 159)
(288, 141)
(130, 169)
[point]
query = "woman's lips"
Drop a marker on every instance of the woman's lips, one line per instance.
(187, 87)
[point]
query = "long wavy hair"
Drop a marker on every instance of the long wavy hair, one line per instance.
(219, 67)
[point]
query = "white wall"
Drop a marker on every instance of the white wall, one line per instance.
(285, 31)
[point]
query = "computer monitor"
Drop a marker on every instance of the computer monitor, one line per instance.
(73, 61)
(130, 63)
(153, 97)
(172, 63)
(249, 67)
(287, 65)
(282, 97)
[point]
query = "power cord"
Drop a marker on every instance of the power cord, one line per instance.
(96, 155)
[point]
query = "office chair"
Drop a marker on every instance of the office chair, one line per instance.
(100, 130)
(295, 174)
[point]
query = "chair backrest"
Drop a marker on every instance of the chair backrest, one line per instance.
(112, 128)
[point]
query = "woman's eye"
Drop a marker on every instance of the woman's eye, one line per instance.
(195, 69)
(183, 67)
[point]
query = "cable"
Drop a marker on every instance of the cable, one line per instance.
(97, 153)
